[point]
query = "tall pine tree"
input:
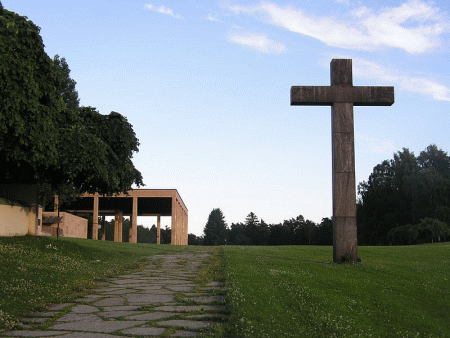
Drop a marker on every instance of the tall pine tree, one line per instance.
(215, 229)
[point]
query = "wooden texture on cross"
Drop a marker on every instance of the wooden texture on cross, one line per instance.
(342, 96)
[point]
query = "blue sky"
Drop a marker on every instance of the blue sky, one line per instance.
(206, 86)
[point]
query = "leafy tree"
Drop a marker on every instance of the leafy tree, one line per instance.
(324, 232)
(29, 101)
(215, 229)
(237, 234)
(166, 235)
(194, 239)
(66, 85)
(45, 138)
(402, 191)
(432, 230)
(146, 235)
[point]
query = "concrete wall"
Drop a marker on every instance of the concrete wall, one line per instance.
(71, 225)
(17, 220)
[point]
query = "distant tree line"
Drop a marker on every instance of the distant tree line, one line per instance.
(144, 234)
(295, 231)
(406, 200)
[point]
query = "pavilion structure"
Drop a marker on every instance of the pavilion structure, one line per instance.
(136, 202)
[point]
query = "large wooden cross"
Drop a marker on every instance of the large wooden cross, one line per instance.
(342, 96)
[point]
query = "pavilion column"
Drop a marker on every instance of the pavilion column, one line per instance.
(103, 228)
(177, 224)
(158, 230)
(133, 229)
(118, 225)
(179, 221)
(95, 218)
(183, 227)
(186, 238)
(174, 221)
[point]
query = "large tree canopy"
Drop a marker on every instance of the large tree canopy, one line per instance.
(403, 191)
(45, 137)
(29, 102)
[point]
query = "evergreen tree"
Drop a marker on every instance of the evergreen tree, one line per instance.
(252, 223)
(215, 229)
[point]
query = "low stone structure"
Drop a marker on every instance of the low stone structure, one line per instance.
(17, 220)
(23, 219)
(69, 225)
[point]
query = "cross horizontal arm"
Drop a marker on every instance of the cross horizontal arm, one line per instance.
(327, 95)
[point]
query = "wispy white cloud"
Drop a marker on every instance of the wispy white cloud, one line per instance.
(212, 18)
(163, 10)
(415, 26)
(257, 42)
(412, 83)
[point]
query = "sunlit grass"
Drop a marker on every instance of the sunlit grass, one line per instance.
(36, 271)
(298, 292)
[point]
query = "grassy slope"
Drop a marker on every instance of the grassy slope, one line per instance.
(298, 292)
(35, 271)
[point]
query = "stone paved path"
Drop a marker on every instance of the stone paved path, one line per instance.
(160, 301)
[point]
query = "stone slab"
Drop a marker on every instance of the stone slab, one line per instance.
(110, 302)
(152, 316)
(191, 324)
(149, 298)
(145, 331)
(84, 309)
(182, 288)
(121, 308)
(89, 335)
(100, 326)
(33, 333)
(117, 314)
(78, 317)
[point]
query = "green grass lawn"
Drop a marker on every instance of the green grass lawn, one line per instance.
(286, 291)
(35, 271)
(295, 291)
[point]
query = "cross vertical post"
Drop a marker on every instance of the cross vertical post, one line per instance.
(343, 162)
(342, 96)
